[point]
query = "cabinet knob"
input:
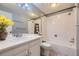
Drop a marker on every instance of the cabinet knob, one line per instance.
(26, 54)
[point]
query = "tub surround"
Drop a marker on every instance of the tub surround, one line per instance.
(59, 49)
(12, 42)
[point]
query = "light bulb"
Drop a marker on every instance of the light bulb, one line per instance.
(32, 14)
(53, 5)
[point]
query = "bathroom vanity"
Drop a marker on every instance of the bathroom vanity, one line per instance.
(27, 45)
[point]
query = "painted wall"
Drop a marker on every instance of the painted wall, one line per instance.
(42, 26)
(31, 26)
(62, 25)
(77, 30)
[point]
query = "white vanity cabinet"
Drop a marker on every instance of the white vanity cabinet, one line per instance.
(31, 48)
(23, 52)
(16, 51)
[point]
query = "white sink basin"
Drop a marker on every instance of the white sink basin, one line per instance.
(12, 38)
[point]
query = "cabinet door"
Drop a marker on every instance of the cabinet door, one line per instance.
(14, 51)
(34, 48)
(23, 53)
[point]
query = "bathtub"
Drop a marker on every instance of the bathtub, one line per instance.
(62, 48)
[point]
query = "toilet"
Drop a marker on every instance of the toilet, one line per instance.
(45, 49)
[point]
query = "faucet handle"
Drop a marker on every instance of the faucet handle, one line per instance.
(43, 41)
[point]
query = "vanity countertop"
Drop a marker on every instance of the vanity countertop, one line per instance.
(14, 41)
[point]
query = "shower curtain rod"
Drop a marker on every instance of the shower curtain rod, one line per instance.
(54, 12)
(60, 11)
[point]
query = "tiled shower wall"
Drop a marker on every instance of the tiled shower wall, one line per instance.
(62, 27)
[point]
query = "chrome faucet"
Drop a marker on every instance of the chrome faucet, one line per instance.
(17, 35)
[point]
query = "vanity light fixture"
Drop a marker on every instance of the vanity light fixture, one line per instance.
(19, 5)
(27, 6)
(24, 5)
(33, 14)
(28, 19)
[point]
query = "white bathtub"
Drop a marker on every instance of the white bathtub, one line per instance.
(62, 48)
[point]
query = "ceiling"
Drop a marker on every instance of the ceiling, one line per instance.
(36, 9)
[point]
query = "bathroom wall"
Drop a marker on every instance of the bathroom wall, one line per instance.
(77, 28)
(42, 26)
(61, 27)
(31, 26)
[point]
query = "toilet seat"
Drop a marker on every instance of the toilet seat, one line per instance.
(45, 45)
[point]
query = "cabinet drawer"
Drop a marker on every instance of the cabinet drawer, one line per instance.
(35, 42)
(15, 50)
